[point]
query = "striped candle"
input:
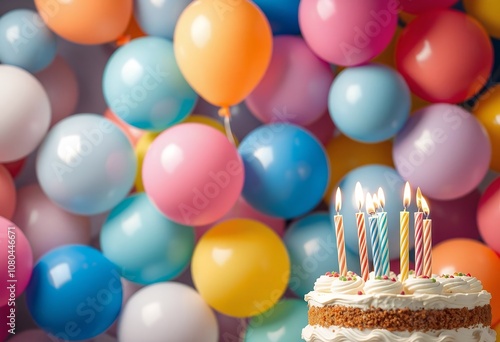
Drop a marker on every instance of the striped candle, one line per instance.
(404, 244)
(427, 240)
(419, 238)
(383, 231)
(360, 222)
(339, 231)
(373, 223)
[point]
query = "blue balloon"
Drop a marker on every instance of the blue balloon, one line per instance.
(283, 15)
(86, 164)
(144, 244)
(312, 247)
(371, 178)
(143, 85)
(74, 293)
(282, 323)
(369, 103)
(286, 170)
(158, 18)
(25, 40)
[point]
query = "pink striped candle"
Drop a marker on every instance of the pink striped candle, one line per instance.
(419, 238)
(339, 231)
(427, 240)
(360, 222)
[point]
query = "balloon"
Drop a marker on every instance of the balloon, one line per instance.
(485, 12)
(312, 246)
(141, 148)
(283, 15)
(444, 150)
(488, 215)
(388, 55)
(158, 18)
(75, 292)
(133, 134)
(323, 128)
(46, 225)
(348, 33)
(143, 85)
(487, 111)
(25, 40)
(24, 102)
(7, 194)
(201, 170)
(223, 49)
(135, 223)
(371, 178)
(15, 167)
(179, 313)
(240, 267)
(426, 56)
(132, 31)
(17, 258)
(286, 170)
(295, 86)
(455, 218)
(288, 317)
(345, 154)
(86, 165)
(61, 85)
(31, 336)
(242, 120)
(242, 209)
(469, 256)
(422, 6)
(369, 103)
(86, 21)
(205, 120)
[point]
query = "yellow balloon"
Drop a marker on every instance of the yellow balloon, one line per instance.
(240, 267)
(497, 329)
(487, 12)
(487, 111)
(205, 120)
(346, 154)
(140, 151)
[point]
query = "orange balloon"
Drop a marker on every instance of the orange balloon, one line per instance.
(474, 257)
(346, 154)
(86, 21)
(223, 48)
(132, 31)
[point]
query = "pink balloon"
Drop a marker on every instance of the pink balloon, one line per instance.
(15, 253)
(349, 32)
(421, 6)
(45, 225)
(242, 209)
(323, 128)
(133, 133)
(295, 87)
(31, 335)
(4, 312)
(488, 215)
(7, 194)
(193, 174)
(61, 85)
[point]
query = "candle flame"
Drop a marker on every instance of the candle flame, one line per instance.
(370, 208)
(425, 207)
(376, 202)
(419, 199)
(338, 200)
(359, 195)
(407, 196)
(381, 198)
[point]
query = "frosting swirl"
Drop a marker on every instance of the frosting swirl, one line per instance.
(453, 284)
(352, 284)
(392, 286)
(422, 285)
(475, 284)
(323, 284)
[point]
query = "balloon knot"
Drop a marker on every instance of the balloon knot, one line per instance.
(225, 112)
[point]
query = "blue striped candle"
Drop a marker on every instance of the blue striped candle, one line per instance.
(373, 223)
(384, 243)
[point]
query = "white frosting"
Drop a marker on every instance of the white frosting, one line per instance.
(374, 286)
(352, 286)
(323, 284)
(414, 285)
(336, 334)
(475, 284)
(454, 285)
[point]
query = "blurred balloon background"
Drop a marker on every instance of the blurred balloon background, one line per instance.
(144, 177)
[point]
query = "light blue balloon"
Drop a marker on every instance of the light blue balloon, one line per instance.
(25, 40)
(143, 85)
(158, 18)
(286, 170)
(144, 244)
(369, 103)
(283, 15)
(282, 323)
(312, 246)
(371, 178)
(86, 164)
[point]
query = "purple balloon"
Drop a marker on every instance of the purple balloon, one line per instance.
(444, 150)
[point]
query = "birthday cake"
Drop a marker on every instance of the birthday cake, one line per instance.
(441, 308)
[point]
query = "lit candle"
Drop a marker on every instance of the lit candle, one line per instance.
(373, 223)
(339, 231)
(427, 240)
(383, 231)
(360, 220)
(419, 238)
(404, 225)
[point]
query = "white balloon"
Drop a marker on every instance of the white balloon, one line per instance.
(25, 115)
(168, 311)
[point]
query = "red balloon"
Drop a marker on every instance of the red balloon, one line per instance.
(15, 167)
(421, 6)
(445, 56)
(7, 194)
(488, 215)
